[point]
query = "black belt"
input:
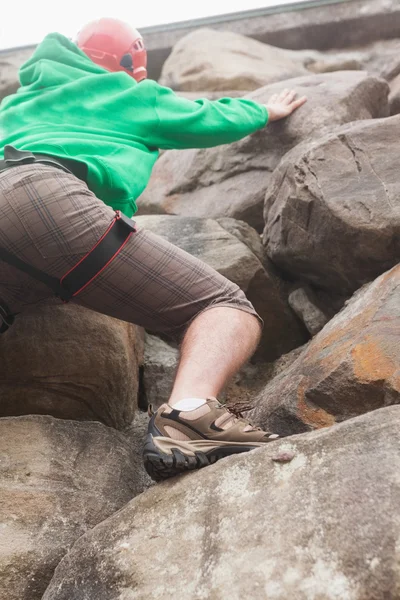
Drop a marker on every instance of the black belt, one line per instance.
(16, 158)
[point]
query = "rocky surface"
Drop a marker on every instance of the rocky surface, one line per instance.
(382, 58)
(231, 180)
(311, 517)
(308, 526)
(70, 362)
(318, 62)
(214, 95)
(160, 364)
(248, 235)
(305, 304)
(207, 240)
(220, 60)
(394, 96)
(9, 65)
(58, 479)
(325, 26)
(352, 366)
(337, 232)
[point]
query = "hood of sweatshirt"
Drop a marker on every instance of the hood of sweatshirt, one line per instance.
(43, 70)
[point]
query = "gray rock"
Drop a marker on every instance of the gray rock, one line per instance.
(207, 59)
(207, 240)
(58, 479)
(9, 65)
(328, 63)
(382, 58)
(252, 379)
(160, 363)
(71, 362)
(212, 95)
(379, 58)
(231, 180)
(246, 234)
(306, 517)
(339, 25)
(322, 305)
(305, 304)
(352, 366)
(394, 96)
(135, 435)
(337, 232)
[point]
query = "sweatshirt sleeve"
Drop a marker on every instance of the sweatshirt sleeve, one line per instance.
(203, 123)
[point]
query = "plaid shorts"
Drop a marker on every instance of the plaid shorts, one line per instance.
(50, 219)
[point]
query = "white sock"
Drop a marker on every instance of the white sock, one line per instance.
(189, 403)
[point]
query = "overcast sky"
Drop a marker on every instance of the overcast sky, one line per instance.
(26, 22)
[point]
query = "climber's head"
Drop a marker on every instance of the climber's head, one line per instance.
(115, 46)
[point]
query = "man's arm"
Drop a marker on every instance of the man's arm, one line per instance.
(203, 123)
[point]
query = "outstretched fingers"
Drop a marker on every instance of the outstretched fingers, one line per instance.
(287, 96)
(284, 104)
(298, 102)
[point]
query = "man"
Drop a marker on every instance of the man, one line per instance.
(78, 142)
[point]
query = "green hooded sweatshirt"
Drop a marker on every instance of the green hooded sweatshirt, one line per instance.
(69, 107)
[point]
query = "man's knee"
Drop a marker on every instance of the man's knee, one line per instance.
(229, 295)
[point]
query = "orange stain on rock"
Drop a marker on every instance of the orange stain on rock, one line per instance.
(343, 333)
(313, 416)
(371, 363)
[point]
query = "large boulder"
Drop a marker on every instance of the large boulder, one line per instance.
(58, 479)
(319, 62)
(352, 366)
(382, 58)
(159, 369)
(207, 59)
(209, 241)
(394, 96)
(332, 210)
(311, 517)
(231, 180)
(248, 235)
(305, 305)
(211, 95)
(325, 25)
(71, 362)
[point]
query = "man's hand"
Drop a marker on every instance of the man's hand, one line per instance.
(282, 105)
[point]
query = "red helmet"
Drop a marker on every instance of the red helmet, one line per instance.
(115, 46)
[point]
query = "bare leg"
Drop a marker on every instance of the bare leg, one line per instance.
(218, 342)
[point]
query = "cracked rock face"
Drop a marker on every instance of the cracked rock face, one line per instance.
(58, 479)
(77, 364)
(394, 97)
(307, 517)
(231, 180)
(9, 65)
(207, 59)
(352, 366)
(332, 211)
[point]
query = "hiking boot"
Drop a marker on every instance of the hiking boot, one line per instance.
(181, 441)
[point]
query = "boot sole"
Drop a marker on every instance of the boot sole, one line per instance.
(161, 465)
